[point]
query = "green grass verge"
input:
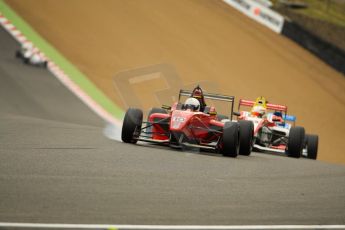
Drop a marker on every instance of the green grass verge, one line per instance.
(332, 11)
(54, 55)
(326, 10)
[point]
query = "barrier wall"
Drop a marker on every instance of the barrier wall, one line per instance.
(326, 51)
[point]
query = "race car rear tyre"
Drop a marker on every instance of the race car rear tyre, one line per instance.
(131, 127)
(18, 54)
(246, 137)
(152, 111)
(45, 64)
(312, 146)
(296, 142)
(156, 110)
(230, 141)
(221, 117)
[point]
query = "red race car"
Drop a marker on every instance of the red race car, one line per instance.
(185, 125)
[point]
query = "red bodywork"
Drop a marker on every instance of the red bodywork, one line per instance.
(199, 126)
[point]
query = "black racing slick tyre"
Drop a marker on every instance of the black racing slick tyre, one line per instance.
(156, 110)
(221, 117)
(296, 142)
(18, 54)
(131, 127)
(230, 140)
(312, 146)
(45, 64)
(246, 137)
(152, 111)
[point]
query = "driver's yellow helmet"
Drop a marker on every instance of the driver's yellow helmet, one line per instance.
(261, 101)
(259, 107)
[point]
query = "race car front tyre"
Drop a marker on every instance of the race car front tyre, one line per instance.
(131, 127)
(296, 142)
(230, 141)
(152, 111)
(312, 146)
(246, 137)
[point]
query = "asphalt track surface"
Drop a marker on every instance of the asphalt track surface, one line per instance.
(205, 42)
(57, 167)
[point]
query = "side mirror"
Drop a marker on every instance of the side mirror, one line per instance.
(167, 107)
(237, 114)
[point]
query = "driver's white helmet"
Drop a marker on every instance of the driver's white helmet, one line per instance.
(193, 104)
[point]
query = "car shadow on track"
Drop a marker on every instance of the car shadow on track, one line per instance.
(198, 151)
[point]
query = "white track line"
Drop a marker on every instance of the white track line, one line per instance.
(166, 227)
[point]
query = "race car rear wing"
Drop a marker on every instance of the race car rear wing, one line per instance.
(211, 96)
(275, 107)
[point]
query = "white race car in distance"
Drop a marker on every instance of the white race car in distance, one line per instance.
(31, 55)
